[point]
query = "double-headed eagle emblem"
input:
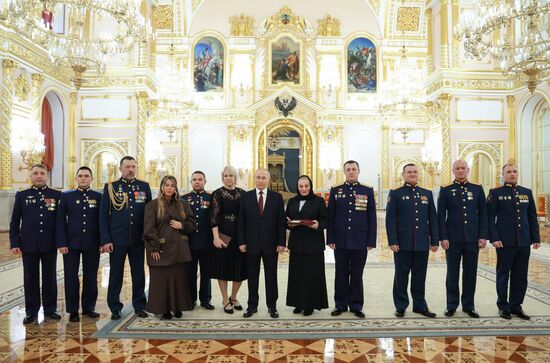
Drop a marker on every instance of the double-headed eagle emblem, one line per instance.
(285, 105)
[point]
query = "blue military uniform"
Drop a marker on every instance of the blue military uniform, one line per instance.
(121, 223)
(201, 245)
(77, 227)
(352, 228)
(411, 223)
(32, 229)
(462, 214)
(513, 221)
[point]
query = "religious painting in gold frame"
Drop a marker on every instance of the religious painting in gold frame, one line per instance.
(285, 60)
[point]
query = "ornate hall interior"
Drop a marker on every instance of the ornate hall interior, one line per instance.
(296, 87)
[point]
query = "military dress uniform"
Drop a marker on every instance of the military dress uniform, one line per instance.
(513, 221)
(352, 228)
(201, 245)
(32, 229)
(77, 227)
(411, 223)
(121, 223)
(462, 214)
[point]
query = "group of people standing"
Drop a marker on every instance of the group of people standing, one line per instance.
(226, 236)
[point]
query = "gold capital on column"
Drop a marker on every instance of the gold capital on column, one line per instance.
(141, 125)
(8, 67)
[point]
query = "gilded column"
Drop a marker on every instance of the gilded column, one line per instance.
(430, 59)
(37, 80)
(475, 170)
(385, 157)
(444, 29)
(72, 138)
(454, 41)
(512, 131)
(445, 117)
(320, 179)
(141, 125)
(184, 154)
(8, 67)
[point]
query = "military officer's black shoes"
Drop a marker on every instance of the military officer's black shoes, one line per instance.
(427, 313)
(115, 315)
(29, 319)
(207, 306)
(74, 317)
(505, 314)
(358, 313)
(399, 313)
(249, 312)
(450, 312)
(296, 311)
(53, 316)
(141, 314)
(308, 312)
(472, 313)
(521, 314)
(91, 314)
(337, 312)
(273, 313)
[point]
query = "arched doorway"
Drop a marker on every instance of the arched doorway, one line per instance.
(53, 128)
(285, 148)
(534, 144)
(482, 170)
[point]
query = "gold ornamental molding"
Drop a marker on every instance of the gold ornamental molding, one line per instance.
(90, 148)
(241, 25)
(493, 149)
(22, 88)
(398, 164)
(6, 177)
(106, 119)
(141, 126)
(408, 18)
(285, 21)
(163, 17)
(195, 4)
(130, 81)
(329, 26)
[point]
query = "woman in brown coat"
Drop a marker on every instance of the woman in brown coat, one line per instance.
(167, 222)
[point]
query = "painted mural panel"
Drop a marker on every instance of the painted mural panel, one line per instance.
(285, 60)
(361, 61)
(208, 65)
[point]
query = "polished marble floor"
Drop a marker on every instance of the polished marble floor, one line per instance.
(73, 342)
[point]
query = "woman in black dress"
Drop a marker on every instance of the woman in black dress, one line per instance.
(228, 262)
(307, 217)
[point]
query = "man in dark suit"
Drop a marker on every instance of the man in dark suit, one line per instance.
(351, 233)
(262, 236)
(513, 228)
(200, 241)
(32, 231)
(411, 226)
(77, 234)
(121, 228)
(463, 231)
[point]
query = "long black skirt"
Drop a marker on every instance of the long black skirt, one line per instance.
(228, 264)
(169, 289)
(307, 286)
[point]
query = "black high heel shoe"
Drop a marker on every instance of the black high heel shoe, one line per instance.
(166, 316)
(235, 306)
(228, 311)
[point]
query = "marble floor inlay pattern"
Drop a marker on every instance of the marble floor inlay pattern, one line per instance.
(76, 342)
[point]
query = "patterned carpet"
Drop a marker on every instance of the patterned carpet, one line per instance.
(200, 324)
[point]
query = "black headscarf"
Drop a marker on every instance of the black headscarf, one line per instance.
(311, 195)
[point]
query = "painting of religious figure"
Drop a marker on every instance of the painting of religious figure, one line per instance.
(285, 60)
(208, 65)
(361, 66)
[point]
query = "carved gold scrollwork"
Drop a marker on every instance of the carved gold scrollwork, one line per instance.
(408, 18)
(329, 26)
(163, 17)
(22, 88)
(241, 25)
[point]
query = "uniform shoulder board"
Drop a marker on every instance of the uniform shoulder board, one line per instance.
(368, 186)
(448, 185)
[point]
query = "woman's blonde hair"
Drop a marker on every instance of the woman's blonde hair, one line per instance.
(232, 170)
(161, 205)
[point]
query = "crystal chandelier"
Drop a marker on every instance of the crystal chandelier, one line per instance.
(514, 33)
(403, 91)
(174, 96)
(80, 47)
